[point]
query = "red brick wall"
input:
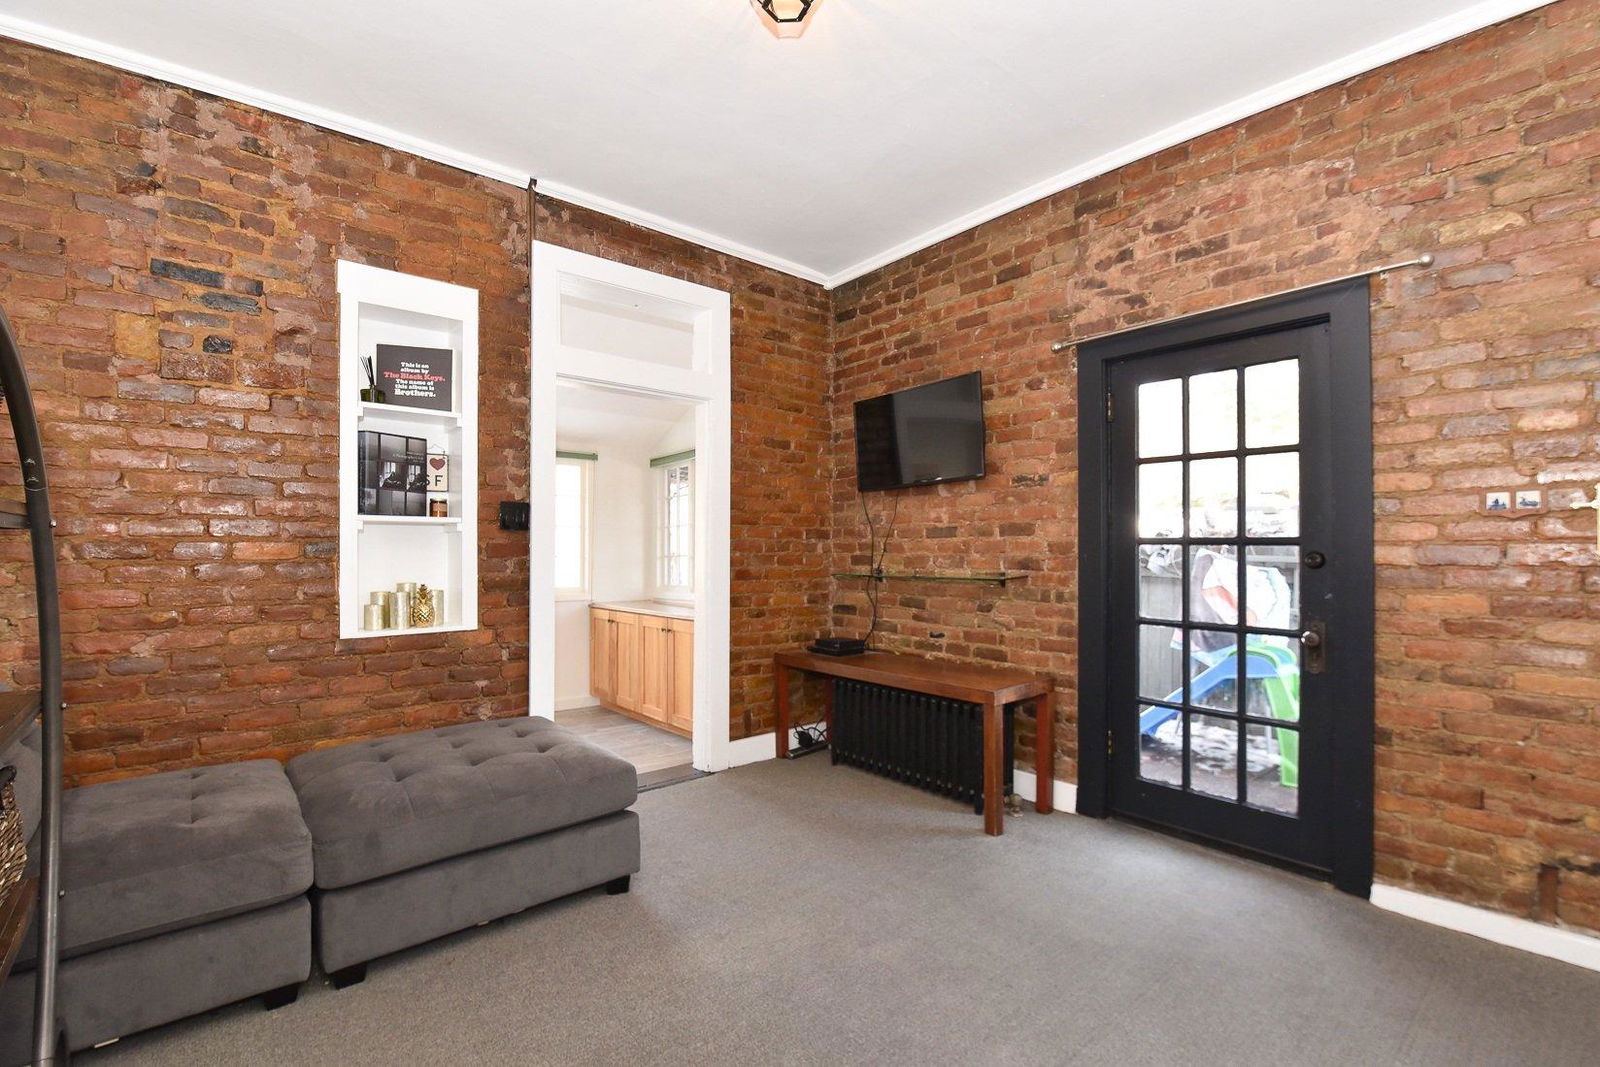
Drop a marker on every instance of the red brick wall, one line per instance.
(780, 435)
(167, 259)
(1483, 151)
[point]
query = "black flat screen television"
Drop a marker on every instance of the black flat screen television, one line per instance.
(921, 436)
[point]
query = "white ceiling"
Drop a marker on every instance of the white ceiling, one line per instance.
(891, 124)
(593, 418)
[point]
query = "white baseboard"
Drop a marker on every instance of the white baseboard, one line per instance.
(573, 703)
(1580, 950)
(1064, 798)
(751, 750)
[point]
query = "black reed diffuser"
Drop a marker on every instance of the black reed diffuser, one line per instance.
(371, 394)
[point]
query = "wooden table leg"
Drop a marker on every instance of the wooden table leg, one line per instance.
(780, 687)
(994, 747)
(1044, 753)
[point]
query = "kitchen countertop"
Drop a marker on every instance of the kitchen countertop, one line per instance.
(647, 607)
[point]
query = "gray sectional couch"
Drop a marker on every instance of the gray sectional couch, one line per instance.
(183, 891)
(419, 835)
(192, 889)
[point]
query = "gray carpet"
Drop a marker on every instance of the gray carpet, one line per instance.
(800, 913)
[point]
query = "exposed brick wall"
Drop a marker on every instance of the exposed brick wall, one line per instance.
(780, 439)
(167, 259)
(1483, 151)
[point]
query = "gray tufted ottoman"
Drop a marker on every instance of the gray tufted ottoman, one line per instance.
(419, 835)
(183, 891)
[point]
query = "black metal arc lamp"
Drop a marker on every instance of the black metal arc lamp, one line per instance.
(785, 18)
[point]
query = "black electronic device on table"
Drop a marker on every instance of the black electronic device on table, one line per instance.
(838, 646)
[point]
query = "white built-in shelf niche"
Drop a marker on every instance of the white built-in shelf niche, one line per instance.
(376, 552)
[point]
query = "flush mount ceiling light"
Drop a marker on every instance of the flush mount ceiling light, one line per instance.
(785, 18)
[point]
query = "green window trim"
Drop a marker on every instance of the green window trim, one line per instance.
(672, 460)
(590, 456)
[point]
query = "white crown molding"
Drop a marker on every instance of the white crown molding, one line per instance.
(1476, 17)
(1580, 950)
(650, 221)
(139, 63)
(1431, 35)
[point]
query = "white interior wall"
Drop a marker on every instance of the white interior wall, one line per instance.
(680, 438)
(626, 331)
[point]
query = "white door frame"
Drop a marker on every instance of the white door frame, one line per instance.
(707, 383)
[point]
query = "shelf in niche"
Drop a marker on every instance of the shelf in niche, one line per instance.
(376, 552)
(408, 520)
(976, 578)
(401, 412)
(411, 631)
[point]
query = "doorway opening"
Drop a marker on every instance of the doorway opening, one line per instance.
(629, 480)
(623, 513)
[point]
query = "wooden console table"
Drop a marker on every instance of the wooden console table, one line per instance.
(993, 689)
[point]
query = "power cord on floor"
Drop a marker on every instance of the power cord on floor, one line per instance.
(808, 739)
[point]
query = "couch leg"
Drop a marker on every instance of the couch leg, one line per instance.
(282, 997)
(348, 976)
(618, 886)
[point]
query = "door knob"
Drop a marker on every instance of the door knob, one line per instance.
(1312, 641)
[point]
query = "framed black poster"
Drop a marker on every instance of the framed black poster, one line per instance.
(417, 377)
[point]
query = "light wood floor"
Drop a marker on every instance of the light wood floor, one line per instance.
(641, 744)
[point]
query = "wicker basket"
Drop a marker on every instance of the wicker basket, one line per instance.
(13, 849)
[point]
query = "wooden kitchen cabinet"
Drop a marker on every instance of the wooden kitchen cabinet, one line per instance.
(630, 673)
(602, 665)
(643, 666)
(655, 688)
(680, 701)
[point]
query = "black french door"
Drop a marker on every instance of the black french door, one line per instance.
(1234, 589)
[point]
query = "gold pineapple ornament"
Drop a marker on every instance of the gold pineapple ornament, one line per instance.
(422, 607)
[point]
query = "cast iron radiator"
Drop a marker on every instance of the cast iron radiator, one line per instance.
(925, 741)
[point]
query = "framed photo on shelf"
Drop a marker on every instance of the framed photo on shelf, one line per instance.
(417, 377)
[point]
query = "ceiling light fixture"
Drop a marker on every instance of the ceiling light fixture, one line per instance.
(785, 18)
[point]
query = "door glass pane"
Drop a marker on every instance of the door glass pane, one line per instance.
(1274, 586)
(1160, 664)
(1214, 411)
(1214, 756)
(1161, 500)
(1161, 744)
(1273, 781)
(1273, 677)
(1214, 584)
(1272, 404)
(1213, 670)
(1272, 495)
(1161, 418)
(1214, 498)
(1161, 581)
